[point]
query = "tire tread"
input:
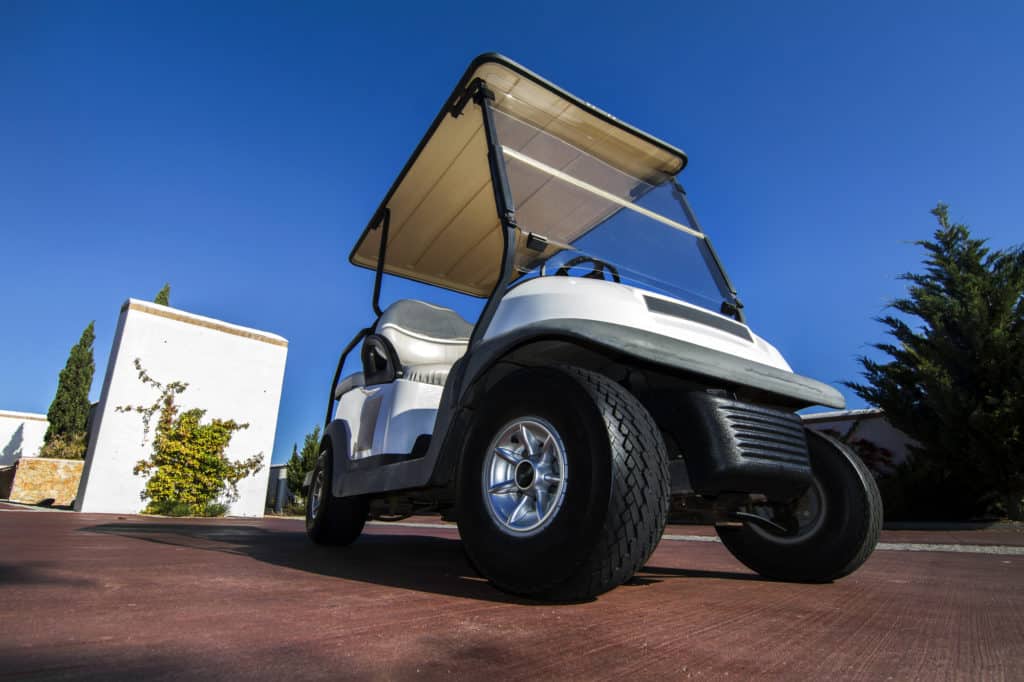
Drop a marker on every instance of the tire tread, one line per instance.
(341, 519)
(826, 557)
(635, 520)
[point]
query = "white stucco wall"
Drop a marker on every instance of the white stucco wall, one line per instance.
(21, 435)
(232, 372)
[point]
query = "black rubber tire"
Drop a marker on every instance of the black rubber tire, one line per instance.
(617, 494)
(845, 539)
(339, 520)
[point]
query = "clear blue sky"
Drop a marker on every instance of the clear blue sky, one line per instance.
(236, 151)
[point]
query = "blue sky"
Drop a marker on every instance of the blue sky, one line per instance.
(236, 151)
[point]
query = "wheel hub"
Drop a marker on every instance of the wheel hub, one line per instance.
(805, 518)
(524, 476)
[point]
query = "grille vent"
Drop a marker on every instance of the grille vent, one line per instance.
(767, 435)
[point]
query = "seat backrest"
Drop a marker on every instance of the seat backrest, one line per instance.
(424, 334)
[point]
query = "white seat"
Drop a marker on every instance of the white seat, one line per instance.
(428, 339)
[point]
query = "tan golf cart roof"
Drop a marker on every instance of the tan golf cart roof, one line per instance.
(444, 228)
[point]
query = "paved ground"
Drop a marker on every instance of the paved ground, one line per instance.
(103, 596)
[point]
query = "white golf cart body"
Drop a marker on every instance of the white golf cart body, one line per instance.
(502, 187)
(389, 418)
(611, 343)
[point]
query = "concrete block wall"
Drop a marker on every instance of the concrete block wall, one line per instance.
(233, 373)
(21, 435)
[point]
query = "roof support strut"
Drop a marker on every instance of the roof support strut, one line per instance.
(383, 224)
(504, 204)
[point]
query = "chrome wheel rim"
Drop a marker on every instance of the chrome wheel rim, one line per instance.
(524, 476)
(316, 494)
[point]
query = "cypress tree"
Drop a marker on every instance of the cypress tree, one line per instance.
(295, 471)
(302, 462)
(163, 297)
(955, 380)
(69, 410)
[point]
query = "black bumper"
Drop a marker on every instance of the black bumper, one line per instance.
(731, 446)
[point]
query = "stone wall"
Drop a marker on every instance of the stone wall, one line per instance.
(38, 479)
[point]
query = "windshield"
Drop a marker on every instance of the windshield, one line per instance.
(580, 207)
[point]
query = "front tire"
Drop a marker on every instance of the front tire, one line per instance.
(833, 541)
(332, 520)
(586, 490)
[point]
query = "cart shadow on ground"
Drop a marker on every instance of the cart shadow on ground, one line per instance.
(423, 563)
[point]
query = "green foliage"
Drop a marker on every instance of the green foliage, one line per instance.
(302, 462)
(71, 446)
(294, 509)
(188, 465)
(163, 297)
(69, 411)
(182, 509)
(923, 493)
(910, 493)
(876, 458)
(955, 383)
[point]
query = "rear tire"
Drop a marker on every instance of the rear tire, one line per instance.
(332, 520)
(837, 541)
(601, 523)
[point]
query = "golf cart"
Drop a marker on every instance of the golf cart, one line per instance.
(610, 374)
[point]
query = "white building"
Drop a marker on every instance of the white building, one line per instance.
(21, 435)
(232, 372)
(867, 425)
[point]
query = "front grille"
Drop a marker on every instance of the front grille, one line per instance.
(765, 434)
(733, 446)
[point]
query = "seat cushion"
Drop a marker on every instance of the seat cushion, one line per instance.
(424, 334)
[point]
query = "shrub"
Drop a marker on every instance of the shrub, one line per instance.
(61, 446)
(211, 509)
(876, 458)
(912, 493)
(187, 465)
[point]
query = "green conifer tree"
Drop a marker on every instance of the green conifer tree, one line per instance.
(69, 410)
(302, 462)
(163, 297)
(955, 380)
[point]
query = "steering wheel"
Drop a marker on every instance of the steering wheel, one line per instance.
(598, 272)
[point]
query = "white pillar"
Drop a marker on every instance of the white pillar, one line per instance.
(232, 372)
(282, 489)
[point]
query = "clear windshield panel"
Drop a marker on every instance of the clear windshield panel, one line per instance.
(583, 207)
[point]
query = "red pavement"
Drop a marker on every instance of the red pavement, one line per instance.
(105, 597)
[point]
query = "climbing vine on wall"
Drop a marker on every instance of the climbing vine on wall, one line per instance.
(188, 470)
